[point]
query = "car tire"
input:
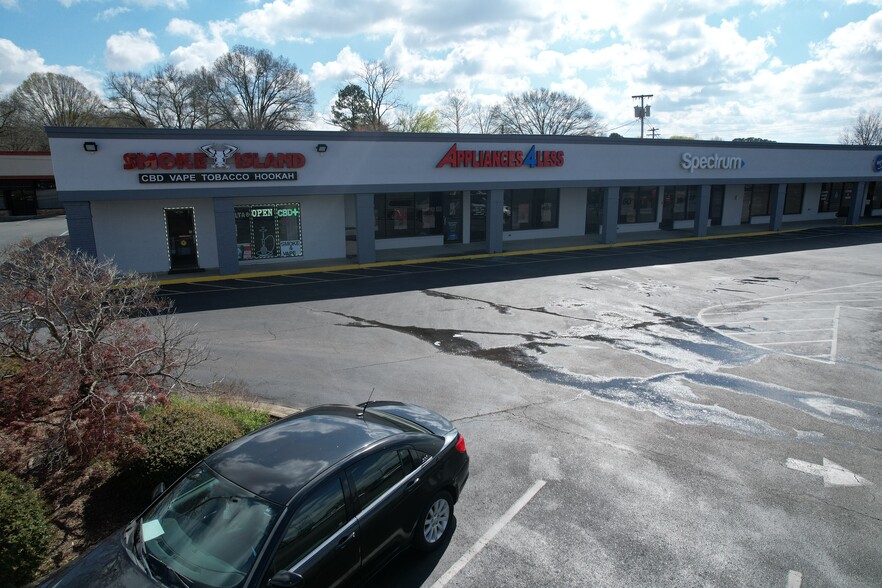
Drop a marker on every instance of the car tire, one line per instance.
(435, 522)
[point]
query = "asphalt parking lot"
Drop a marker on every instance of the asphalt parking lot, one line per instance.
(684, 422)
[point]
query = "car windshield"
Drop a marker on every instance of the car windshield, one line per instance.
(205, 532)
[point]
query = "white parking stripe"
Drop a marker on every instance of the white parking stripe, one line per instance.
(489, 535)
(794, 579)
(835, 334)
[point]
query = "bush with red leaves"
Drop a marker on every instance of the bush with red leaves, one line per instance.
(83, 349)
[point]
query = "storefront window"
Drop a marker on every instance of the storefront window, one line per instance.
(408, 214)
(835, 196)
(758, 197)
(874, 195)
(268, 231)
(684, 201)
(530, 209)
(638, 205)
(793, 198)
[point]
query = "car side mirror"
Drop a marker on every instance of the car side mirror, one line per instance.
(160, 488)
(285, 579)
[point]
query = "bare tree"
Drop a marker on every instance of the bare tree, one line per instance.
(410, 119)
(456, 111)
(380, 83)
(486, 119)
(49, 99)
(168, 98)
(544, 112)
(252, 89)
(867, 129)
(83, 348)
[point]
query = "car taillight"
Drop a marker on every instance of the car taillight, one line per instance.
(460, 444)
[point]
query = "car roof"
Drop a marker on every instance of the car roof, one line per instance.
(275, 462)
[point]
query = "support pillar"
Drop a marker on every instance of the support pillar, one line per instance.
(225, 235)
(495, 224)
(80, 230)
(610, 216)
(857, 204)
(703, 213)
(777, 212)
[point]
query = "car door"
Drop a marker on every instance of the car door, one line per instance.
(386, 490)
(320, 543)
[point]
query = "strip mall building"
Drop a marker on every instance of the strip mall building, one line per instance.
(179, 201)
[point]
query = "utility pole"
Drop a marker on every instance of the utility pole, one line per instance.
(653, 132)
(641, 111)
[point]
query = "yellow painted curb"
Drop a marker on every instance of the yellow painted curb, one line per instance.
(380, 264)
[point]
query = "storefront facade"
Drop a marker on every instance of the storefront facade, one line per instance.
(27, 184)
(180, 201)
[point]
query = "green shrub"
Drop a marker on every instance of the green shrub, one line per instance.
(25, 534)
(246, 418)
(177, 436)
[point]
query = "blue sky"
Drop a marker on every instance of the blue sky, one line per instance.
(790, 71)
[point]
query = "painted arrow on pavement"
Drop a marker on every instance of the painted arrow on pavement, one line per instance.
(833, 474)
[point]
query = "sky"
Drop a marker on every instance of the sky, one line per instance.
(795, 71)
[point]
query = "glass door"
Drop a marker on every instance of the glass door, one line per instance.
(180, 228)
(594, 211)
(453, 217)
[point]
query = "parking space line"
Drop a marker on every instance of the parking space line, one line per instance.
(835, 334)
(794, 579)
(489, 535)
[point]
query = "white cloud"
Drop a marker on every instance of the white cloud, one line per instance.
(112, 13)
(347, 64)
(18, 64)
(131, 51)
(205, 48)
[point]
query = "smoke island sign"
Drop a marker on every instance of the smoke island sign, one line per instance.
(216, 160)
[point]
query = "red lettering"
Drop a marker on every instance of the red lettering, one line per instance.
(298, 160)
(560, 158)
(449, 158)
(200, 160)
(129, 160)
(496, 160)
(517, 157)
(146, 161)
(166, 160)
(469, 159)
(184, 160)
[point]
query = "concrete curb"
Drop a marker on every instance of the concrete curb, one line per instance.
(380, 264)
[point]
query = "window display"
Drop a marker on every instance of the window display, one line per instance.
(268, 231)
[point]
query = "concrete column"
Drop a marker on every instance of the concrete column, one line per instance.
(365, 237)
(857, 204)
(81, 232)
(225, 235)
(703, 212)
(495, 203)
(777, 209)
(610, 215)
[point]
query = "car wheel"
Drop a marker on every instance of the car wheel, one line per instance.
(434, 524)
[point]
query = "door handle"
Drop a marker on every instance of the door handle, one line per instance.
(346, 540)
(412, 483)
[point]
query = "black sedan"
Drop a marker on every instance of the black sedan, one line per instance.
(322, 498)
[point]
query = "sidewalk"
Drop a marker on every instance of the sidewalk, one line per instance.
(390, 257)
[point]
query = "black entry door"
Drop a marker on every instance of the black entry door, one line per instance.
(181, 240)
(594, 212)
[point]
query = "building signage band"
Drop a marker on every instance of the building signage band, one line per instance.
(220, 176)
(877, 164)
(456, 157)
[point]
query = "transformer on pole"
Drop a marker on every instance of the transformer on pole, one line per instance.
(642, 111)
